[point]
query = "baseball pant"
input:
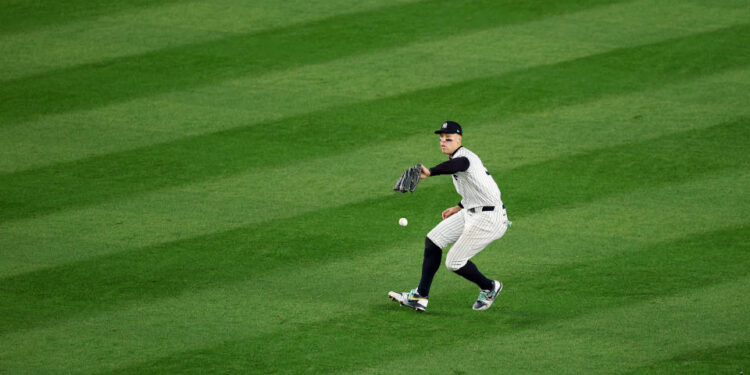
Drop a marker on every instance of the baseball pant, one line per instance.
(470, 232)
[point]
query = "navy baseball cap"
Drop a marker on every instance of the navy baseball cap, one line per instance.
(450, 127)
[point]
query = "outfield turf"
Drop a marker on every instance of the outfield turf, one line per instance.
(205, 186)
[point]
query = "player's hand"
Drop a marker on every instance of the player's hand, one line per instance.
(425, 172)
(450, 211)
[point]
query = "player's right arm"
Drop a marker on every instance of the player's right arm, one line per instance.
(450, 211)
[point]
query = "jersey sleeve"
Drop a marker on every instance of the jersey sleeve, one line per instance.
(452, 166)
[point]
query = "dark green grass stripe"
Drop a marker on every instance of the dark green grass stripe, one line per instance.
(199, 158)
(597, 173)
(169, 269)
(723, 359)
(25, 15)
(97, 84)
(549, 296)
(659, 270)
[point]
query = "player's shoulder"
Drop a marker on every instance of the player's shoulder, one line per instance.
(464, 152)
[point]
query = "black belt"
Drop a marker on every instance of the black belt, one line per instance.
(485, 208)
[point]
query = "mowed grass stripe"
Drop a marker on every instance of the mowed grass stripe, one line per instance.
(663, 160)
(646, 214)
(103, 178)
(660, 269)
(549, 298)
(222, 204)
(130, 31)
(165, 270)
(269, 97)
(25, 15)
(93, 85)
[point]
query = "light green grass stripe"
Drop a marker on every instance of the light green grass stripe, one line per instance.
(266, 194)
(251, 310)
(645, 215)
(249, 100)
(19, 16)
(140, 30)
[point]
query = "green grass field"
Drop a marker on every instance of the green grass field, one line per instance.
(205, 186)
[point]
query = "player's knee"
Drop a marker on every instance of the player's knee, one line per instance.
(434, 239)
(454, 264)
(432, 250)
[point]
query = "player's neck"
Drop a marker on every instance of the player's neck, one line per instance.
(454, 152)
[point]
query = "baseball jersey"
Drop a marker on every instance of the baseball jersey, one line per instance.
(474, 184)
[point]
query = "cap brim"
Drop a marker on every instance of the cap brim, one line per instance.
(445, 131)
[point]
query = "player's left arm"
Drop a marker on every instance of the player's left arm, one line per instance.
(425, 172)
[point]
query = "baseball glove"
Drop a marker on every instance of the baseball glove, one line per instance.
(409, 179)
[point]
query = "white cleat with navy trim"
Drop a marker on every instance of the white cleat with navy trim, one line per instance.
(410, 299)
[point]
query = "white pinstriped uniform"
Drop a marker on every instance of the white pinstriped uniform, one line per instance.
(471, 232)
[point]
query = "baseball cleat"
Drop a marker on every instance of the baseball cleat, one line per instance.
(410, 299)
(486, 297)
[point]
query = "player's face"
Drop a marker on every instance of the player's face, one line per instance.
(449, 143)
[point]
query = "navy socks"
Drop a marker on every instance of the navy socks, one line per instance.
(432, 258)
(470, 272)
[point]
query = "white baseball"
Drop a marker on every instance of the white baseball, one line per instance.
(403, 222)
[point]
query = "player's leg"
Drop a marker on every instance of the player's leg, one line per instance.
(469, 271)
(480, 230)
(444, 234)
(430, 264)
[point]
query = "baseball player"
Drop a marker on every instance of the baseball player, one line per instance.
(477, 220)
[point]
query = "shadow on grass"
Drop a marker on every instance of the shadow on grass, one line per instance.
(722, 359)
